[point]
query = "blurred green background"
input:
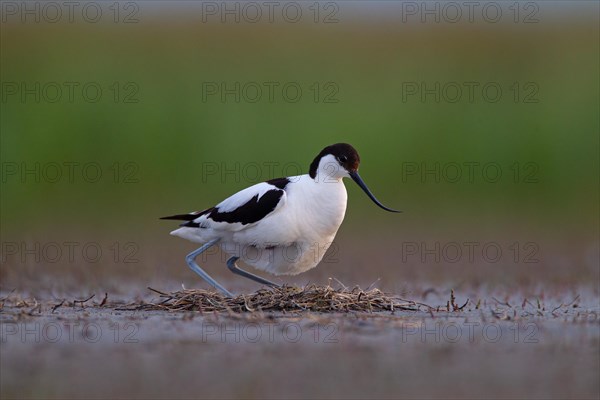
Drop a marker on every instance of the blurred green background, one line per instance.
(157, 135)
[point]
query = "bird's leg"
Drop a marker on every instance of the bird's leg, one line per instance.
(191, 261)
(237, 270)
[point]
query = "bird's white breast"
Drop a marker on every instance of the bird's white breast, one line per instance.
(296, 237)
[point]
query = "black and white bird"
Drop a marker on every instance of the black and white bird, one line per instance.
(282, 226)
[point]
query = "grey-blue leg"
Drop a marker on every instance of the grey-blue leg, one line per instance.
(191, 261)
(237, 270)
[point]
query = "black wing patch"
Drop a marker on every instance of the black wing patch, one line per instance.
(252, 211)
(279, 183)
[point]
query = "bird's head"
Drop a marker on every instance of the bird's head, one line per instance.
(339, 161)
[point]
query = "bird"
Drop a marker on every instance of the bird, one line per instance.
(282, 226)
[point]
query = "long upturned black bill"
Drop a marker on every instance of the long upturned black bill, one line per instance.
(354, 175)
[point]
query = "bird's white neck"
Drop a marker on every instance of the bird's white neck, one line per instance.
(329, 170)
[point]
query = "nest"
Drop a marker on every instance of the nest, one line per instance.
(284, 299)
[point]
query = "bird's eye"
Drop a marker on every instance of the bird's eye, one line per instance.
(343, 158)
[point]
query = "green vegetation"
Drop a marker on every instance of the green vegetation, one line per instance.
(542, 133)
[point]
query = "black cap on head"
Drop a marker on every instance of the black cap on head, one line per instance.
(346, 155)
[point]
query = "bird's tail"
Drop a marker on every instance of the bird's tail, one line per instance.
(190, 216)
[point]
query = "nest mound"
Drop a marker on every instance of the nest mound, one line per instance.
(284, 299)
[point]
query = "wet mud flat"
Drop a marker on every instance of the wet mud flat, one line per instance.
(457, 346)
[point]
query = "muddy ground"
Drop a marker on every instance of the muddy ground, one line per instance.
(535, 345)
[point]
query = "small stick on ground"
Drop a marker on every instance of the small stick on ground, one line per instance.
(371, 285)
(8, 295)
(57, 306)
(83, 301)
(573, 302)
(501, 303)
(158, 291)
(103, 302)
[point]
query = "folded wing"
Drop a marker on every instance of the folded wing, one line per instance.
(245, 207)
